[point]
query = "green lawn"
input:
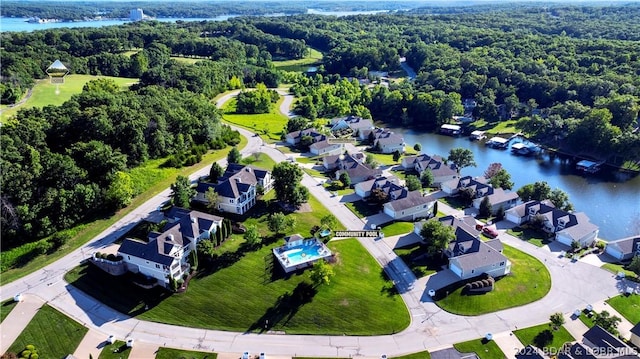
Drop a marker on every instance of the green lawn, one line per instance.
(44, 92)
(68, 334)
(419, 355)
(149, 179)
(529, 281)
(532, 236)
(397, 228)
(485, 349)
(387, 159)
(248, 292)
(117, 350)
(188, 60)
(273, 122)
(313, 58)
(6, 307)
(419, 261)
(544, 336)
(259, 160)
(314, 173)
(587, 320)
(615, 268)
(361, 209)
(628, 306)
(495, 128)
(169, 353)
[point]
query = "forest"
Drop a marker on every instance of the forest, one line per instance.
(569, 75)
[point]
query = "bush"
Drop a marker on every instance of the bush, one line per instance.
(30, 347)
(111, 257)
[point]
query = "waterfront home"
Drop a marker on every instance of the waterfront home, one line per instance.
(498, 198)
(237, 189)
(166, 253)
(389, 142)
(409, 206)
(565, 226)
(478, 184)
(354, 123)
(387, 184)
(293, 138)
(441, 171)
(364, 134)
(624, 249)
(332, 162)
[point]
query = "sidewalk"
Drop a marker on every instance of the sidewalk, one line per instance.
(508, 343)
(624, 327)
(143, 350)
(574, 326)
(18, 319)
(91, 344)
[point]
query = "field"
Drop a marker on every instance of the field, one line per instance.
(44, 92)
(38, 332)
(628, 306)
(313, 58)
(269, 125)
(170, 353)
(485, 349)
(543, 336)
(529, 281)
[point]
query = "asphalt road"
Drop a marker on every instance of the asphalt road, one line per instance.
(573, 286)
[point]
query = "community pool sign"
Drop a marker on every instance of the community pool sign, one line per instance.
(57, 71)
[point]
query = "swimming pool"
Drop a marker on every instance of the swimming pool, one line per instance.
(301, 254)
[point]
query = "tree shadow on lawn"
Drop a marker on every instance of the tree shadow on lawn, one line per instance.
(389, 289)
(285, 308)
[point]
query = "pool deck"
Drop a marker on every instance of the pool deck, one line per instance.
(283, 253)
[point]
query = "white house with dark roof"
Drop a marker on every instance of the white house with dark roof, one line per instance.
(409, 205)
(499, 198)
(237, 188)
(167, 251)
(624, 249)
(293, 138)
(358, 172)
(565, 226)
(354, 123)
(478, 184)
(363, 134)
(440, 170)
(387, 184)
(389, 142)
(324, 147)
(635, 335)
(332, 162)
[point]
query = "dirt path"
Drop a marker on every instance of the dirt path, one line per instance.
(22, 101)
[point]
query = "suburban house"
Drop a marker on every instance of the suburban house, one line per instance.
(499, 198)
(364, 134)
(599, 344)
(470, 256)
(354, 123)
(387, 184)
(332, 162)
(357, 172)
(624, 249)
(441, 171)
(389, 142)
(635, 335)
(407, 205)
(166, 252)
(293, 138)
(237, 188)
(567, 227)
(478, 184)
(324, 147)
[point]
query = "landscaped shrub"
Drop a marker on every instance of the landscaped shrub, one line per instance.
(111, 257)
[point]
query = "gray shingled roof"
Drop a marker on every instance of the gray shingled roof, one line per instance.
(236, 179)
(323, 144)
(380, 182)
(625, 245)
(147, 251)
(500, 196)
(412, 199)
(390, 138)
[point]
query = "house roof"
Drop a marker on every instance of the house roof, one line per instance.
(380, 182)
(501, 196)
(293, 238)
(523, 209)
(479, 184)
(434, 163)
(389, 138)
(577, 351)
(236, 180)
(306, 132)
(479, 255)
(636, 329)
(468, 223)
(358, 170)
(625, 245)
(581, 228)
(323, 144)
(412, 199)
(603, 340)
(145, 251)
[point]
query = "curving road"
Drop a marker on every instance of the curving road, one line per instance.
(574, 285)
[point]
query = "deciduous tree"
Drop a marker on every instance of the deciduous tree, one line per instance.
(461, 157)
(321, 273)
(182, 192)
(436, 235)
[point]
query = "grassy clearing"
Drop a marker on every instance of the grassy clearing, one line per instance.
(6, 307)
(628, 306)
(149, 179)
(486, 349)
(529, 281)
(615, 268)
(529, 235)
(361, 209)
(169, 353)
(420, 355)
(188, 60)
(44, 92)
(397, 228)
(314, 173)
(68, 334)
(117, 350)
(419, 260)
(495, 128)
(387, 159)
(269, 125)
(259, 160)
(359, 300)
(313, 58)
(544, 336)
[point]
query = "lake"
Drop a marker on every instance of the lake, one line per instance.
(610, 199)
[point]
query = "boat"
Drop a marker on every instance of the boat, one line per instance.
(497, 142)
(477, 135)
(451, 130)
(588, 166)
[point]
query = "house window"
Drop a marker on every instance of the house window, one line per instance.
(230, 201)
(425, 206)
(157, 266)
(501, 264)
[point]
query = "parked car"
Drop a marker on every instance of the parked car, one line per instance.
(490, 231)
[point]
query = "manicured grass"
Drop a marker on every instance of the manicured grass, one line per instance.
(397, 228)
(249, 290)
(149, 179)
(420, 355)
(385, 159)
(628, 306)
(587, 320)
(117, 350)
(53, 334)
(259, 160)
(340, 192)
(529, 281)
(188, 60)
(530, 235)
(495, 128)
(362, 209)
(6, 307)
(169, 353)
(486, 349)
(455, 202)
(273, 122)
(419, 261)
(44, 92)
(615, 268)
(539, 336)
(313, 58)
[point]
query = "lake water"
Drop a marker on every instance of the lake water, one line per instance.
(611, 200)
